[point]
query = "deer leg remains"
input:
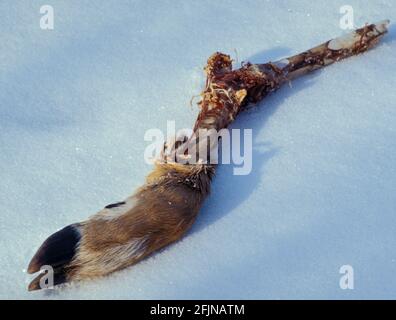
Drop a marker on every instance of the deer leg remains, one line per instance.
(165, 207)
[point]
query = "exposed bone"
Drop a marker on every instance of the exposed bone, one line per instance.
(167, 205)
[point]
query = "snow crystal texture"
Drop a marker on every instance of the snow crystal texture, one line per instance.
(76, 101)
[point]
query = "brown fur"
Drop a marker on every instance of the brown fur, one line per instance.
(165, 209)
(166, 206)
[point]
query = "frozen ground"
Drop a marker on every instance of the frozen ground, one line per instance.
(75, 103)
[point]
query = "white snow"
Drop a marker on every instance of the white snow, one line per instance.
(76, 101)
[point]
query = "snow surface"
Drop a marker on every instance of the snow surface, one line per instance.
(75, 103)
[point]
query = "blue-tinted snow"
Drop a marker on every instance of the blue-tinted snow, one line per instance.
(76, 101)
